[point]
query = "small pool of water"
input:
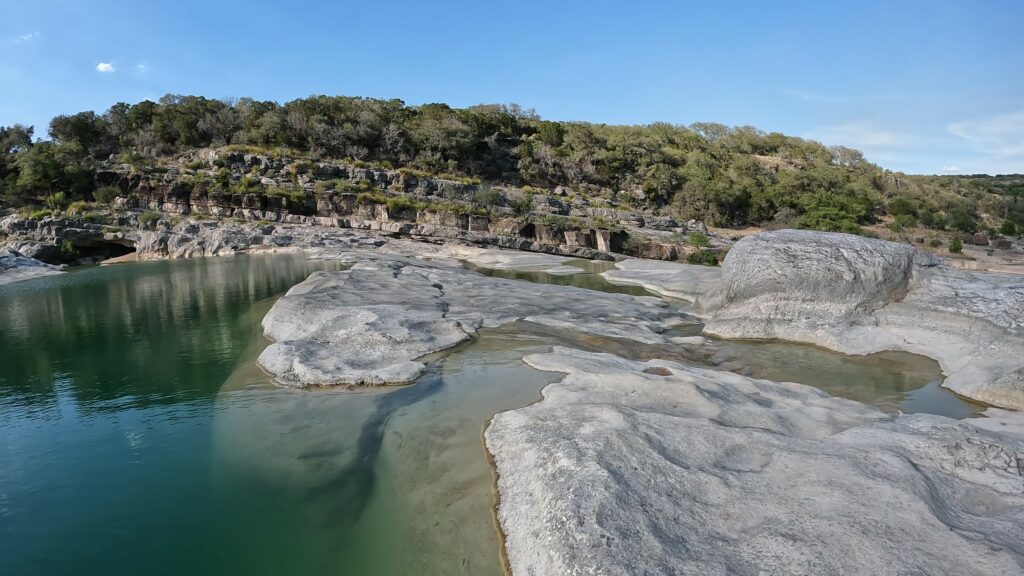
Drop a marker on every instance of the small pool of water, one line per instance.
(892, 381)
(590, 278)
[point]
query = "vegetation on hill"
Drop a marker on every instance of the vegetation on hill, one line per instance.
(727, 176)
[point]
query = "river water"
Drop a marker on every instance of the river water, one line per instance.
(137, 435)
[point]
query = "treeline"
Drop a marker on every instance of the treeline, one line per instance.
(721, 175)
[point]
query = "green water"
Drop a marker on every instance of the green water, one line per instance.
(137, 435)
(109, 386)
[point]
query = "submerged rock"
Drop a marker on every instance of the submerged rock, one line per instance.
(681, 281)
(858, 295)
(15, 267)
(370, 324)
(661, 468)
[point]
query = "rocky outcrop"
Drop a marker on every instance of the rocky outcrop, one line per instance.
(684, 282)
(371, 324)
(661, 468)
(859, 295)
(15, 266)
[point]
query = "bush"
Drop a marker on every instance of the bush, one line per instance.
(67, 249)
(521, 205)
(487, 197)
(702, 258)
(149, 217)
(698, 239)
(106, 195)
(901, 206)
(962, 220)
(40, 214)
(956, 246)
(78, 207)
(906, 221)
(1009, 228)
(829, 220)
(935, 242)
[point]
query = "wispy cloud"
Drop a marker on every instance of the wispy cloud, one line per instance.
(105, 68)
(813, 96)
(951, 169)
(1000, 136)
(25, 38)
(142, 67)
(863, 135)
(809, 96)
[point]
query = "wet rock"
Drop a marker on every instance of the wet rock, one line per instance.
(681, 281)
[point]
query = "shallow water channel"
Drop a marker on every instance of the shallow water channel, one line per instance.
(138, 436)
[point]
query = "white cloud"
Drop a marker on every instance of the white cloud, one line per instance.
(951, 168)
(26, 38)
(813, 97)
(105, 67)
(1000, 136)
(142, 67)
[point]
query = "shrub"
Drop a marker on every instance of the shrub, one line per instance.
(370, 198)
(935, 242)
(1009, 228)
(906, 221)
(956, 246)
(632, 246)
(487, 196)
(40, 214)
(698, 239)
(962, 220)
(67, 249)
(521, 205)
(78, 207)
(901, 206)
(149, 217)
(106, 194)
(702, 258)
(829, 220)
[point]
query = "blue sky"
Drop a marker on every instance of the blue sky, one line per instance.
(922, 87)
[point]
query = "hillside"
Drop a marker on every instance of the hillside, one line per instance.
(711, 173)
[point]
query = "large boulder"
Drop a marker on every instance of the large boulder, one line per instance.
(15, 266)
(860, 295)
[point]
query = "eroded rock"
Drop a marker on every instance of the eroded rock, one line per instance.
(370, 324)
(661, 468)
(858, 295)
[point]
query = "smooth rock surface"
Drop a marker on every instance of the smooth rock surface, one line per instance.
(660, 468)
(681, 281)
(15, 267)
(858, 295)
(370, 324)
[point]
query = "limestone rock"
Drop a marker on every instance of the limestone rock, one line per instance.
(859, 295)
(661, 468)
(15, 266)
(371, 324)
(681, 281)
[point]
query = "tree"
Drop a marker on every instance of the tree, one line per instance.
(961, 219)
